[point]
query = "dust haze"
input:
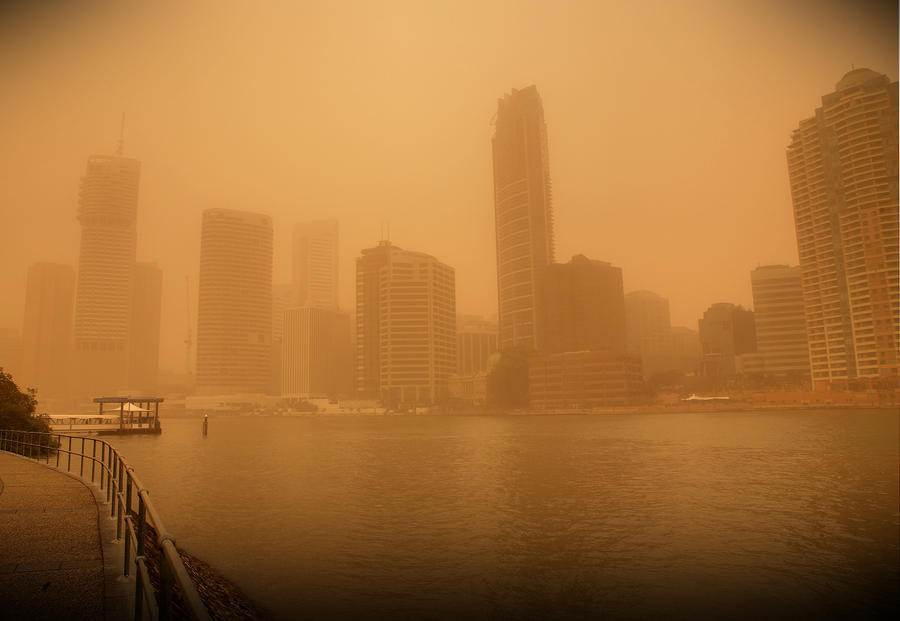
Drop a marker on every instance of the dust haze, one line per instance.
(667, 126)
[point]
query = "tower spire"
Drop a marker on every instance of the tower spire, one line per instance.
(121, 145)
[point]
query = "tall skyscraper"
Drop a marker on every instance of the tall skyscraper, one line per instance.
(780, 325)
(143, 355)
(107, 211)
(234, 314)
(843, 172)
(406, 326)
(585, 307)
(523, 214)
(316, 263)
(47, 329)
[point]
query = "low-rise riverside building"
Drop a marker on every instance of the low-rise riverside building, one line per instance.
(583, 379)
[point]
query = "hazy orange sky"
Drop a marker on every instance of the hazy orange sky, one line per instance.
(667, 124)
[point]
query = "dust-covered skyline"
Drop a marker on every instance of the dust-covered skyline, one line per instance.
(667, 128)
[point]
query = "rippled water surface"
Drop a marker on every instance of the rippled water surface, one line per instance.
(625, 516)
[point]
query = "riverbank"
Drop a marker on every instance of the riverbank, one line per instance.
(222, 597)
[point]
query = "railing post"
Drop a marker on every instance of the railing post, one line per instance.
(110, 482)
(121, 499)
(58, 446)
(81, 461)
(165, 587)
(129, 526)
(69, 462)
(102, 463)
(93, 457)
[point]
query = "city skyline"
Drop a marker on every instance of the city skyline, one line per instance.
(648, 201)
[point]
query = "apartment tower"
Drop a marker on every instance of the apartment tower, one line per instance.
(234, 314)
(523, 217)
(406, 326)
(842, 164)
(107, 211)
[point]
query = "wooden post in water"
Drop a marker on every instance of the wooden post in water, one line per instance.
(205, 424)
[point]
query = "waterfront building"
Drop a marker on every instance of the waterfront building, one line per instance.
(468, 389)
(406, 326)
(476, 340)
(583, 379)
(47, 329)
(317, 359)
(726, 331)
(646, 316)
(842, 163)
(143, 354)
(107, 212)
(584, 306)
(234, 314)
(781, 347)
(523, 213)
(315, 263)
(674, 349)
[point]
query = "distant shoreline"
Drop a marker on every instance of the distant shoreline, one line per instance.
(693, 408)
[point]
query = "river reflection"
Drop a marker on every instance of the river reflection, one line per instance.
(668, 515)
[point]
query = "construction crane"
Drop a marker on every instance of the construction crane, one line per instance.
(189, 341)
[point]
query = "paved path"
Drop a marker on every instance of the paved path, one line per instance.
(51, 545)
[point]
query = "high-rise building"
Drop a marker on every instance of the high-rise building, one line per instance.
(476, 339)
(47, 329)
(234, 314)
(317, 360)
(584, 362)
(107, 211)
(585, 307)
(726, 331)
(146, 304)
(315, 256)
(406, 326)
(523, 214)
(780, 325)
(843, 173)
(646, 316)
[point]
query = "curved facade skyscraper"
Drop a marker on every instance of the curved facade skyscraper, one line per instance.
(843, 171)
(234, 313)
(523, 213)
(107, 211)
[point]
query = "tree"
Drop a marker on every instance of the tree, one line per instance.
(17, 407)
(507, 380)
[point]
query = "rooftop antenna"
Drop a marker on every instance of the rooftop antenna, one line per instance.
(389, 230)
(121, 137)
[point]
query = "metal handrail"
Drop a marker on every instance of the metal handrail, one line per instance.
(123, 489)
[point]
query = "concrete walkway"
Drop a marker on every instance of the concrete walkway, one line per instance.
(52, 540)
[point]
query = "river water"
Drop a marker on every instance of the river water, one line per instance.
(676, 515)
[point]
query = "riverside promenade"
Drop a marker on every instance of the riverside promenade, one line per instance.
(54, 536)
